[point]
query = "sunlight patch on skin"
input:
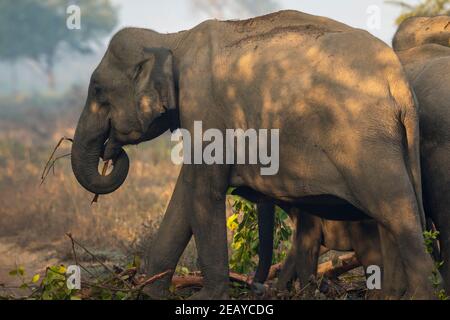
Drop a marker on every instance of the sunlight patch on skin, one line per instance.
(231, 93)
(246, 65)
(94, 107)
(220, 68)
(145, 104)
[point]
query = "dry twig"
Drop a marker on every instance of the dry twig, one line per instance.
(51, 162)
(104, 170)
(98, 260)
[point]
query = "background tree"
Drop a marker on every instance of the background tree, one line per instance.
(36, 30)
(221, 9)
(423, 9)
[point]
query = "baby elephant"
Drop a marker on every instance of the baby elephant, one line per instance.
(311, 233)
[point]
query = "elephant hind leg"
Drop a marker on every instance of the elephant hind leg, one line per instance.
(390, 199)
(304, 254)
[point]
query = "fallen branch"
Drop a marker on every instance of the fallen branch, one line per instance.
(181, 282)
(153, 279)
(345, 263)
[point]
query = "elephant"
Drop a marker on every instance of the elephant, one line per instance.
(338, 96)
(423, 46)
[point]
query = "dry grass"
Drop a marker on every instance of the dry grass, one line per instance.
(34, 217)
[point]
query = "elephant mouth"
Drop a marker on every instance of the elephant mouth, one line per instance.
(87, 150)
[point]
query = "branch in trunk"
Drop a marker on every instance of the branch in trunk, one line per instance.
(104, 170)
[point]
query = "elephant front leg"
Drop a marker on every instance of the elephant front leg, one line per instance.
(171, 239)
(208, 222)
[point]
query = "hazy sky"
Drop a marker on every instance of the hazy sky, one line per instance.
(176, 15)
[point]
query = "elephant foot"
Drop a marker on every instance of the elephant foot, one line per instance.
(210, 294)
(376, 295)
(421, 291)
(259, 289)
(157, 291)
(424, 294)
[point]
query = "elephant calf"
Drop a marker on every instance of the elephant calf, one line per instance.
(312, 235)
(347, 122)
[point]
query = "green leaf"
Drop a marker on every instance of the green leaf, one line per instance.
(35, 278)
(21, 270)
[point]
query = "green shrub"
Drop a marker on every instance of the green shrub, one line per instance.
(243, 223)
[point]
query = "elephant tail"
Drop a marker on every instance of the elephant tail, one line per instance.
(410, 121)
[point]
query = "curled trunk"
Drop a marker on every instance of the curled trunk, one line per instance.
(87, 149)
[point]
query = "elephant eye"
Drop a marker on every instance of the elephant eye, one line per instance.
(98, 90)
(100, 95)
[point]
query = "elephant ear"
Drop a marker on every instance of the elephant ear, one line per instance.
(155, 87)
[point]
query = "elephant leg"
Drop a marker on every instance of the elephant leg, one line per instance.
(441, 218)
(390, 199)
(444, 241)
(309, 239)
(394, 283)
(266, 213)
(287, 273)
(171, 239)
(437, 197)
(365, 241)
(207, 191)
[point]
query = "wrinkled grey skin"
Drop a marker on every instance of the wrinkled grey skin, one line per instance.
(337, 94)
(423, 46)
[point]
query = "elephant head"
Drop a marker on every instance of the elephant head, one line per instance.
(417, 31)
(131, 99)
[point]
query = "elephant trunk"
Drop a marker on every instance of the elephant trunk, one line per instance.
(88, 148)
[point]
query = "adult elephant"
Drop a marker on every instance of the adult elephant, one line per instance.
(423, 46)
(347, 125)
